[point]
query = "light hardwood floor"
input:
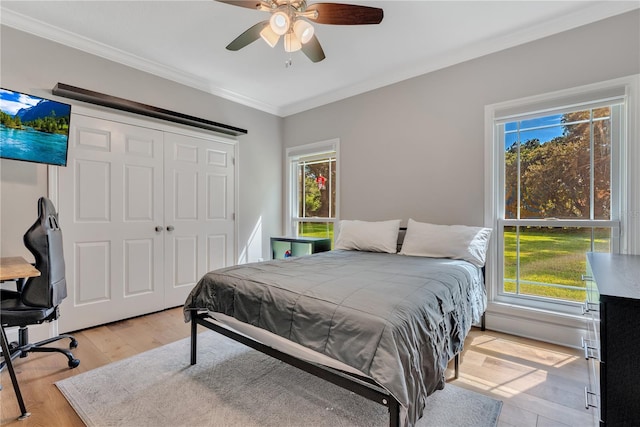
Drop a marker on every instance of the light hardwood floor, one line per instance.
(540, 384)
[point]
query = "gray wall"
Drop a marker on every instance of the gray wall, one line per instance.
(412, 149)
(34, 65)
(416, 148)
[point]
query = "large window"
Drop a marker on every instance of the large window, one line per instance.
(556, 192)
(313, 189)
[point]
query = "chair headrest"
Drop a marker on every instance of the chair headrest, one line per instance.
(47, 214)
(44, 241)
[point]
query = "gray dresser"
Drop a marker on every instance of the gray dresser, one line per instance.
(613, 349)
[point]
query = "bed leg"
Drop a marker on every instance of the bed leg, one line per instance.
(456, 366)
(194, 337)
(394, 412)
(483, 322)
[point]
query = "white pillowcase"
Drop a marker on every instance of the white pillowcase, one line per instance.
(446, 241)
(377, 236)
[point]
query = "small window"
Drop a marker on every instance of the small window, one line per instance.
(313, 189)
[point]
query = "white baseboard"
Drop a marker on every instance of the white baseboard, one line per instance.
(555, 328)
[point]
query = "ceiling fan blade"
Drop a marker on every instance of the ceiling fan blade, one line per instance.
(346, 14)
(313, 50)
(248, 37)
(250, 4)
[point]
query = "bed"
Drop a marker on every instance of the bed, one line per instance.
(384, 325)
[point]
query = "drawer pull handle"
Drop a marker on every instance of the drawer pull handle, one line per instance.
(587, 403)
(591, 351)
(589, 307)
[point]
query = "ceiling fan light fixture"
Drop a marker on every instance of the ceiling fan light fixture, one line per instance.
(303, 30)
(280, 22)
(295, 20)
(269, 36)
(291, 42)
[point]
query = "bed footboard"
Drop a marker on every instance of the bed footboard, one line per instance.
(360, 385)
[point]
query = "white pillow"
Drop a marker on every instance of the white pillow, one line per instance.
(378, 236)
(446, 241)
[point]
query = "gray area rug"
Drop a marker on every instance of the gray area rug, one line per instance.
(233, 385)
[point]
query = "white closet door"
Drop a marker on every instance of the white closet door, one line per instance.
(199, 211)
(110, 203)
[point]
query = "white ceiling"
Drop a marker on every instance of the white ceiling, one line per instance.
(185, 41)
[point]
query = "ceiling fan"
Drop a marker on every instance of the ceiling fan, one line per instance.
(289, 18)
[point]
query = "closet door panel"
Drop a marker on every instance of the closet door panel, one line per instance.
(145, 212)
(110, 202)
(199, 211)
(217, 252)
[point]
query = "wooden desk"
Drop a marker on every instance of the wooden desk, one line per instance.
(13, 268)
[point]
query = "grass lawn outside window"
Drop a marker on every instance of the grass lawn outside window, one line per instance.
(550, 261)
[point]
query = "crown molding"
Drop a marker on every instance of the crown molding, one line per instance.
(597, 11)
(44, 30)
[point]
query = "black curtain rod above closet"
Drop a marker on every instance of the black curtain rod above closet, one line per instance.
(122, 104)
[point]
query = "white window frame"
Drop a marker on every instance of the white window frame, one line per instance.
(626, 159)
(292, 156)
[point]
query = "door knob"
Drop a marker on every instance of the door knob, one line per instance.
(159, 228)
(170, 228)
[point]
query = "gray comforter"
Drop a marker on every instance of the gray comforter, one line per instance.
(397, 319)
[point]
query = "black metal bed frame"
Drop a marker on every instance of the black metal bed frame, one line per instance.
(358, 384)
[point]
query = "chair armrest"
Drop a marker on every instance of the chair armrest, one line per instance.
(7, 293)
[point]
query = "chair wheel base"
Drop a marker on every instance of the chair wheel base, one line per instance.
(73, 363)
(73, 344)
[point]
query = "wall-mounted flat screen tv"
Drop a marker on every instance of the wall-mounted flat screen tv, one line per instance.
(33, 129)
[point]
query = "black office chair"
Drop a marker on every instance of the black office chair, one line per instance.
(36, 299)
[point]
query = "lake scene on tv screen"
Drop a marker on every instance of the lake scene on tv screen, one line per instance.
(33, 129)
